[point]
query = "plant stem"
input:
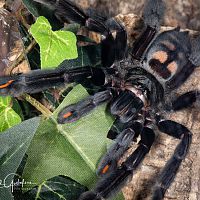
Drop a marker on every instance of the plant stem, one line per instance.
(46, 112)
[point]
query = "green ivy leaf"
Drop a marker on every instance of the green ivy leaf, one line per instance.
(8, 117)
(55, 46)
(14, 143)
(56, 188)
(72, 149)
(4, 102)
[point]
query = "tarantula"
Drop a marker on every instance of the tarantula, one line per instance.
(134, 83)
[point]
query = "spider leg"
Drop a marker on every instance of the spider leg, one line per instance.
(169, 172)
(184, 101)
(115, 180)
(126, 106)
(109, 161)
(113, 48)
(73, 112)
(39, 80)
(124, 135)
(118, 127)
(152, 15)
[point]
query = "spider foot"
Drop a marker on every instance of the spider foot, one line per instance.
(67, 10)
(74, 112)
(39, 80)
(109, 162)
(183, 101)
(170, 170)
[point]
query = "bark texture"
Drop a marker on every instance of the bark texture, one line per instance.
(184, 13)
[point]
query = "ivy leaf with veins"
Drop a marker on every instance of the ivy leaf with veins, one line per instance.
(55, 46)
(8, 117)
(56, 188)
(73, 149)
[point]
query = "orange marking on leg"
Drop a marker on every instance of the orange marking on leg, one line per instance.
(161, 56)
(105, 169)
(6, 84)
(172, 67)
(67, 115)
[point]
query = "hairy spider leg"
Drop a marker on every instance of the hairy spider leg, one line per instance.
(39, 80)
(136, 124)
(169, 172)
(123, 134)
(113, 48)
(153, 15)
(121, 144)
(74, 112)
(112, 182)
(126, 106)
(184, 101)
(116, 46)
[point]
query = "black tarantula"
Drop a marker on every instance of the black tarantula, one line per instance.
(135, 84)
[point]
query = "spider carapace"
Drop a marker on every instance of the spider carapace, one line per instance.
(136, 82)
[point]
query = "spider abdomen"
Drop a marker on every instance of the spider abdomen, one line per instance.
(168, 56)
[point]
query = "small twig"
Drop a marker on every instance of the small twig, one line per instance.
(46, 112)
(22, 55)
(23, 20)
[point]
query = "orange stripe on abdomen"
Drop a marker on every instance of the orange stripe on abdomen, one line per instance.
(161, 56)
